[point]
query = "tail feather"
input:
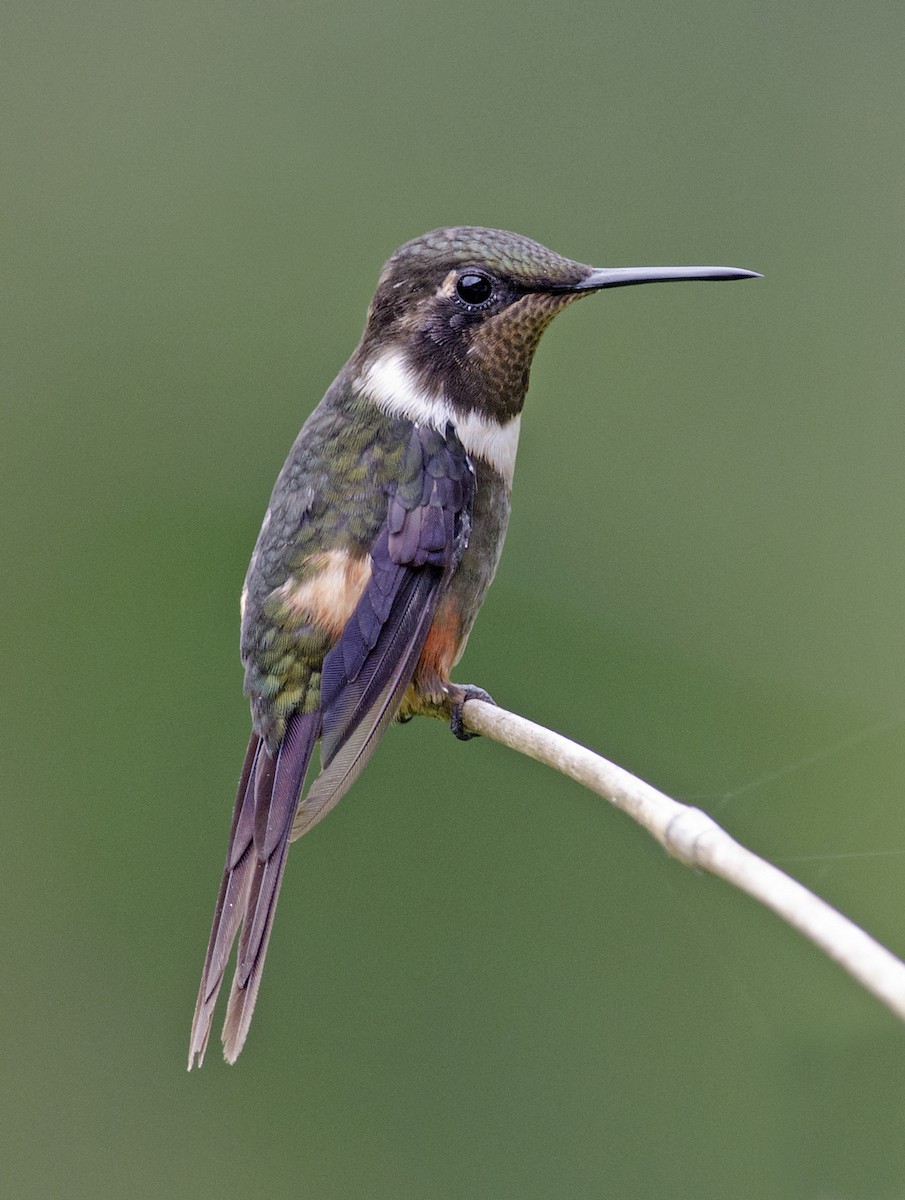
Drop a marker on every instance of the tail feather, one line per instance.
(230, 905)
(262, 901)
(262, 821)
(276, 795)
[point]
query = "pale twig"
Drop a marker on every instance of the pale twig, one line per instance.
(698, 841)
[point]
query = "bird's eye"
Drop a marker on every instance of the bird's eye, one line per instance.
(474, 289)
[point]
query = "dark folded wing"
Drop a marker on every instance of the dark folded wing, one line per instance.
(414, 555)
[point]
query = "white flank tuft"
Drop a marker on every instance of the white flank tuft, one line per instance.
(391, 385)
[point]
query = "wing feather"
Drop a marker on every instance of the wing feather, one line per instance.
(413, 558)
(373, 707)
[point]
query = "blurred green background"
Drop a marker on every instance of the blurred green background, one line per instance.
(483, 982)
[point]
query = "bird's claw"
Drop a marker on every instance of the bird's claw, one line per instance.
(460, 697)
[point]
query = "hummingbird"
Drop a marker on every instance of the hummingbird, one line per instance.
(381, 538)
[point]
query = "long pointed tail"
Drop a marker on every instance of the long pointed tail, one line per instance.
(262, 820)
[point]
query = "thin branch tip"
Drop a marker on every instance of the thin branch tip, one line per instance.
(697, 840)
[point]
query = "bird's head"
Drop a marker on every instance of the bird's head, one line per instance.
(463, 309)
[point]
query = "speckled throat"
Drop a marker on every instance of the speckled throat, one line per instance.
(486, 368)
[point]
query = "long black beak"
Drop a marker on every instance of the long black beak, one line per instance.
(605, 277)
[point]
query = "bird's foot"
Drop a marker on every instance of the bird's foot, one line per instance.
(459, 695)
